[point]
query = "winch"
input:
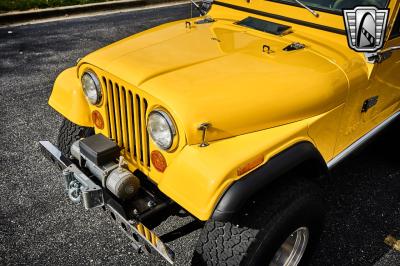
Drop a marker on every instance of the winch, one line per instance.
(99, 154)
(93, 174)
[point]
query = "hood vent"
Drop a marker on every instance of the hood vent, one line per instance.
(265, 26)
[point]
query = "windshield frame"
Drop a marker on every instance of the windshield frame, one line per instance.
(290, 3)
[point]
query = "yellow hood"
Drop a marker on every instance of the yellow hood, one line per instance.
(218, 73)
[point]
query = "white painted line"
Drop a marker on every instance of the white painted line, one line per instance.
(101, 13)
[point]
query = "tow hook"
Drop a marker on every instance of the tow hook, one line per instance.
(85, 191)
(74, 191)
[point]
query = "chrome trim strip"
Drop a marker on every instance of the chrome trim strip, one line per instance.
(353, 147)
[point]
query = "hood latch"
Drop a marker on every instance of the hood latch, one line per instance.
(204, 127)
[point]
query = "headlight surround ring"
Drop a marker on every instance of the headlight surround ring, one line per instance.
(91, 87)
(165, 125)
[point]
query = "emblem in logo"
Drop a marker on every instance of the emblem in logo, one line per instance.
(366, 27)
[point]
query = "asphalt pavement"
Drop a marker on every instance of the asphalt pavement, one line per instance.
(39, 226)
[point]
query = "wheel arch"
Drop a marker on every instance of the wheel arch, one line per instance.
(68, 99)
(303, 157)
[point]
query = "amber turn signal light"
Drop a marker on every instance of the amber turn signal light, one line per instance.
(97, 119)
(158, 160)
(250, 165)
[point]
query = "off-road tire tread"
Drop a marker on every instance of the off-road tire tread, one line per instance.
(216, 237)
(69, 133)
(232, 243)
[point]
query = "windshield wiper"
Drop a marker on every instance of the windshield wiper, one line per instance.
(309, 9)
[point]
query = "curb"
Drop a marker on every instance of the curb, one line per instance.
(24, 16)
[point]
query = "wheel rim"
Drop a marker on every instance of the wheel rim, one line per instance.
(292, 250)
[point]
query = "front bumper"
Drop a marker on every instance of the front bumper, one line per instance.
(81, 188)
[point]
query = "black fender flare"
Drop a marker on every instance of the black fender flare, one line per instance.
(242, 190)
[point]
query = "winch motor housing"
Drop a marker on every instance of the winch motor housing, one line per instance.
(99, 154)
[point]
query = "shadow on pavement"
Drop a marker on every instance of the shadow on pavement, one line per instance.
(363, 195)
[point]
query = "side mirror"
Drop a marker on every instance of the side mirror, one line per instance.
(204, 7)
(380, 56)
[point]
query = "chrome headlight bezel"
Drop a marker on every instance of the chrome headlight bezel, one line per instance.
(171, 128)
(99, 95)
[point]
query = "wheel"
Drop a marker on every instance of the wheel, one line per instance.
(69, 133)
(279, 227)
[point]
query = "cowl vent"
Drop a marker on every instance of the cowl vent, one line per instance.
(265, 26)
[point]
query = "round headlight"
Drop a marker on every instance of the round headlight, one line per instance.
(91, 87)
(161, 129)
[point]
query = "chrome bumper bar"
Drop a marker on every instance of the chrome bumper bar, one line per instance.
(92, 196)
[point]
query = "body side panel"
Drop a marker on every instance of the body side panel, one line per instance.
(324, 131)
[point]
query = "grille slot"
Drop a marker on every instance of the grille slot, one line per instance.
(126, 116)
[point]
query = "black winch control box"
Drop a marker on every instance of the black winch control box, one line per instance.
(99, 149)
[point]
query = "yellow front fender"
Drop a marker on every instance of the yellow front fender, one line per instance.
(198, 177)
(68, 99)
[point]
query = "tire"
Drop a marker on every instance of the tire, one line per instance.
(254, 236)
(69, 133)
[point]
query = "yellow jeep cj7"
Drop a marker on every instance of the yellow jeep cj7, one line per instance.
(227, 117)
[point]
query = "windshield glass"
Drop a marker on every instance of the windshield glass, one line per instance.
(336, 6)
